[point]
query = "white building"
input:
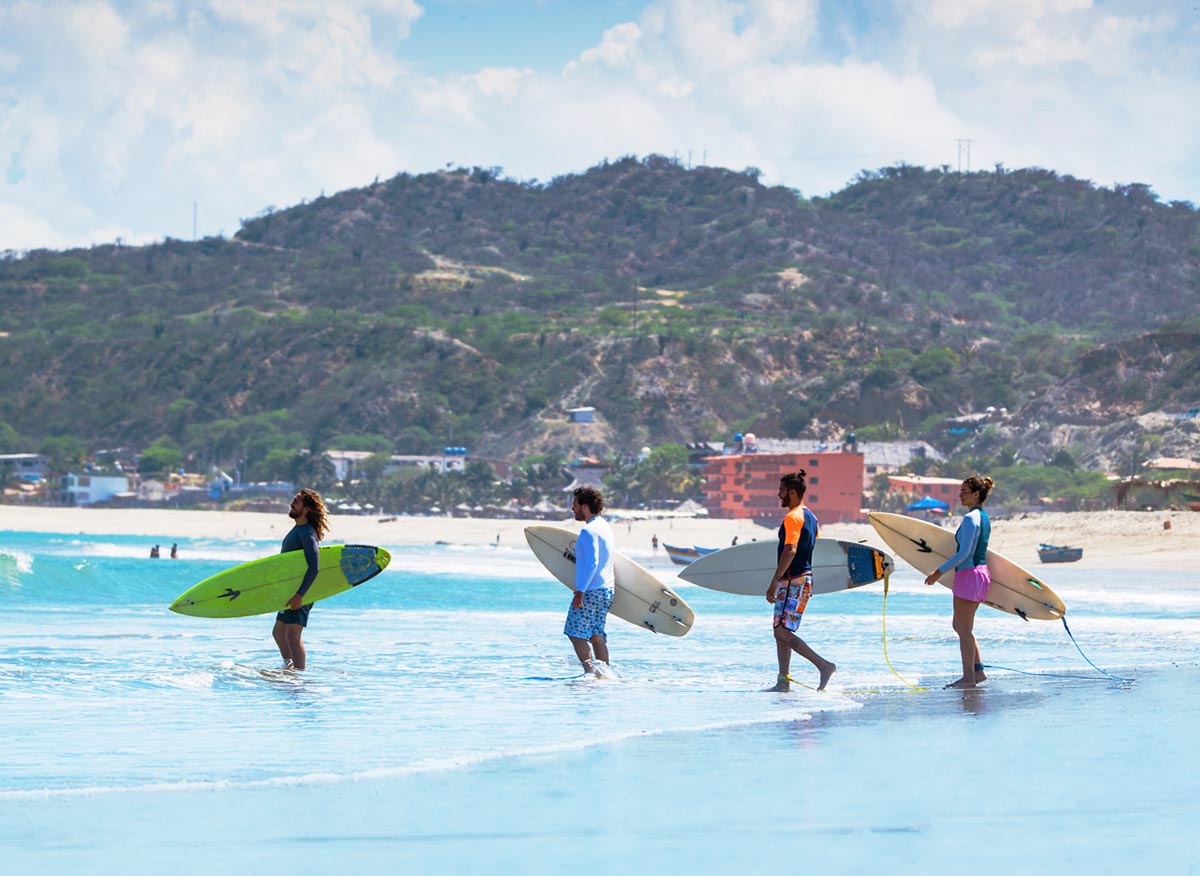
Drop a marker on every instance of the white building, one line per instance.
(29, 467)
(347, 464)
(87, 489)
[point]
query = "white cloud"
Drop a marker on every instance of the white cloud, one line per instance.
(320, 43)
(956, 13)
(500, 82)
(120, 116)
(616, 48)
(716, 36)
(22, 229)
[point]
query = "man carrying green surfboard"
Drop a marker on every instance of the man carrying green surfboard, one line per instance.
(312, 522)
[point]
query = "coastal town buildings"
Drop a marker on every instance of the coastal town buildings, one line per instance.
(746, 485)
(88, 489)
(913, 487)
(347, 463)
(743, 480)
(29, 467)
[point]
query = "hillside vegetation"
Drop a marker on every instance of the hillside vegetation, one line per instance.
(463, 307)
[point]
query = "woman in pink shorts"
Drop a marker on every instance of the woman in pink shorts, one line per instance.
(971, 578)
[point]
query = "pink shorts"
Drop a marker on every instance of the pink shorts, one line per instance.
(972, 584)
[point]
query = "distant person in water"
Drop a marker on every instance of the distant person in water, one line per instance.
(594, 582)
(971, 577)
(791, 585)
(311, 523)
(175, 551)
(154, 554)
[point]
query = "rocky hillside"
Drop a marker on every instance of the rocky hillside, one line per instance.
(462, 307)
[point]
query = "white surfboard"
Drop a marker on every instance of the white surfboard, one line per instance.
(747, 568)
(640, 597)
(926, 546)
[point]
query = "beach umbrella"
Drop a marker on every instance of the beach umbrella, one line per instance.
(928, 504)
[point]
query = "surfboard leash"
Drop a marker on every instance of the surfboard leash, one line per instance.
(1085, 656)
(1108, 676)
(1049, 674)
(913, 687)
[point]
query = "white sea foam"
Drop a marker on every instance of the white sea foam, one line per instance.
(458, 761)
(14, 566)
(185, 681)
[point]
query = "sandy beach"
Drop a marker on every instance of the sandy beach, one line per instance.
(1110, 539)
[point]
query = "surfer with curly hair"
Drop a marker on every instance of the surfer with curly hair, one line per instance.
(971, 577)
(311, 523)
(594, 583)
(791, 585)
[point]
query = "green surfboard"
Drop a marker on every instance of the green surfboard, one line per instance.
(264, 586)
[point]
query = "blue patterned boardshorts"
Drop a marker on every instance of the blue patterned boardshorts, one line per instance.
(791, 598)
(583, 623)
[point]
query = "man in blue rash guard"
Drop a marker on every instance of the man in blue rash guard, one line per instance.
(594, 582)
(312, 522)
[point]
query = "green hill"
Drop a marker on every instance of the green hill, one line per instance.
(462, 307)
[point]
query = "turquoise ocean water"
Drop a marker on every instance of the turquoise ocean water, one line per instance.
(441, 729)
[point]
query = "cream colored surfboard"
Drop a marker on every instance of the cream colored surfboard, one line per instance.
(925, 546)
(640, 598)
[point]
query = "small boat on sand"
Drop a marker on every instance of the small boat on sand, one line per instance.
(1052, 553)
(682, 556)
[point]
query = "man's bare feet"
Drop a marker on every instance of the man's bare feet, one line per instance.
(980, 675)
(826, 674)
(961, 684)
(783, 685)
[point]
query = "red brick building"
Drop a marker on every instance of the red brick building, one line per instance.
(747, 485)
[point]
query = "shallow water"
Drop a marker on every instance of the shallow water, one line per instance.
(441, 727)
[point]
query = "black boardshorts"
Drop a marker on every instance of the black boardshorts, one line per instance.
(298, 616)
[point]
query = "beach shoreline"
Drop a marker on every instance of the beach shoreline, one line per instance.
(1110, 539)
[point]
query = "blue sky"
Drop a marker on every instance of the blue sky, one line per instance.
(117, 117)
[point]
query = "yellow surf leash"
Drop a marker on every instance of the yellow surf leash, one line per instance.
(913, 687)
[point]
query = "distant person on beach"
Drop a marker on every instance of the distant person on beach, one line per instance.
(311, 524)
(654, 542)
(791, 585)
(594, 582)
(971, 577)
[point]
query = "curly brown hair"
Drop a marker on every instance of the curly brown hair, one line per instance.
(591, 497)
(318, 514)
